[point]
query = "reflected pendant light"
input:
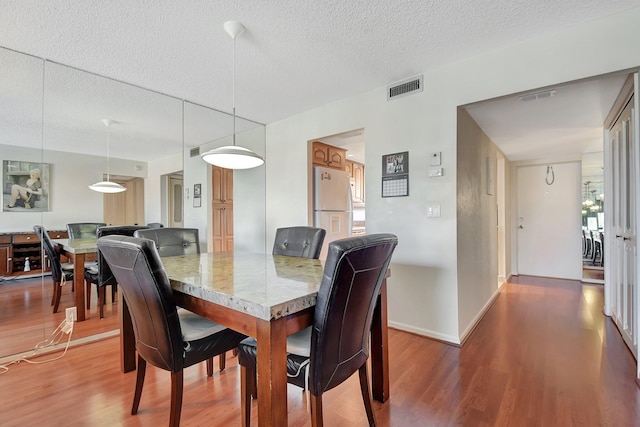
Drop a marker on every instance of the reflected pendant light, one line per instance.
(233, 156)
(107, 186)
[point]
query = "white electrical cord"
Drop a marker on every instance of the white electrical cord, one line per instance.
(56, 336)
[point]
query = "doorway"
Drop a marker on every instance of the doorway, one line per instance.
(547, 220)
(127, 207)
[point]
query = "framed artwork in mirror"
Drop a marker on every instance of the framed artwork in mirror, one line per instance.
(25, 186)
(197, 195)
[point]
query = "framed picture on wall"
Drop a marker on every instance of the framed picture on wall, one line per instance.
(197, 195)
(25, 186)
(395, 174)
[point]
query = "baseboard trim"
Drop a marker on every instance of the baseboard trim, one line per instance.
(59, 347)
(476, 320)
(448, 339)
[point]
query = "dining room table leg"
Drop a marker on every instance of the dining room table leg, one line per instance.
(78, 282)
(272, 372)
(380, 348)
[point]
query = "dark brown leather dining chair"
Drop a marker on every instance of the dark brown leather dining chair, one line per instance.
(60, 272)
(337, 343)
(100, 274)
(173, 241)
(164, 338)
(83, 230)
(301, 241)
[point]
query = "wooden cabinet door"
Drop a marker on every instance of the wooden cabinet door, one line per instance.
(320, 154)
(337, 158)
(328, 156)
(5, 259)
(358, 178)
(348, 168)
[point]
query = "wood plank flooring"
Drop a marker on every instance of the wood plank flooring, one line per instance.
(543, 355)
(26, 316)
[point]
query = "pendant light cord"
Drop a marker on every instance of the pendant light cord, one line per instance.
(108, 144)
(233, 90)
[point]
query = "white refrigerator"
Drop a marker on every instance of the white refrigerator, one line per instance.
(332, 204)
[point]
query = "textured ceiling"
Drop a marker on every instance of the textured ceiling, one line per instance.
(294, 55)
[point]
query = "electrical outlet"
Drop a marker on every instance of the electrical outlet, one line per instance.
(71, 314)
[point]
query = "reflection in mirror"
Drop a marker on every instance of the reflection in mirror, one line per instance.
(62, 127)
(53, 114)
(21, 305)
(593, 217)
(236, 221)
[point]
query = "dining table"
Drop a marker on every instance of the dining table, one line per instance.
(79, 251)
(264, 296)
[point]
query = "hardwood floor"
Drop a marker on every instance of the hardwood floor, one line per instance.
(543, 355)
(26, 317)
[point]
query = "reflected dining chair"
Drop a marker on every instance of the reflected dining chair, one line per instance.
(336, 345)
(172, 241)
(305, 242)
(100, 274)
(60, 272)
(164, 337)
(83, 230)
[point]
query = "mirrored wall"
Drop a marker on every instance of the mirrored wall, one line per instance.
(52, 117)
(593, 213)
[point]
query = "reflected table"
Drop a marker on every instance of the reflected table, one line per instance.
(264, 296)
(79, 251)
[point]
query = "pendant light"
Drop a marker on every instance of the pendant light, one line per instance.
(107, 186)
(233, 156)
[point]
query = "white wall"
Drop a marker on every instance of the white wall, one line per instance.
(423, 288)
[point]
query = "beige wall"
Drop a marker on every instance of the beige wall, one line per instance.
(477, 213)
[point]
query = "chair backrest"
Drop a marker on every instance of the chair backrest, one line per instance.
(155, 225)
(353, 274)
(137, 267)
(105, 275)
(173, 241)
(50, 251)
(83, 230)
(304, 242)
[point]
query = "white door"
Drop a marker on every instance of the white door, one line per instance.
(175, 202)
(623, 270)
(549, 221)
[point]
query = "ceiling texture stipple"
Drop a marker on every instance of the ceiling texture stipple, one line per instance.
(295, 55)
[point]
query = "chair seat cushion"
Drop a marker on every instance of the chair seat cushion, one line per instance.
(195, 327)
(203, 338)
(67, 266)
(298, 353)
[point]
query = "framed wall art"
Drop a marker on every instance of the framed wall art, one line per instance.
(25, 186)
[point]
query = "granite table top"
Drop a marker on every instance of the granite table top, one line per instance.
(77, 246)
(263, 285)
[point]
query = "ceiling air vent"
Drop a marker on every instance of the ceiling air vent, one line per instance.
(194, 152)
(404, 88)
(538, 95)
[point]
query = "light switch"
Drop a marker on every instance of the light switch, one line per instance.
(433, 211)
(435, 172)
(435, 159)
